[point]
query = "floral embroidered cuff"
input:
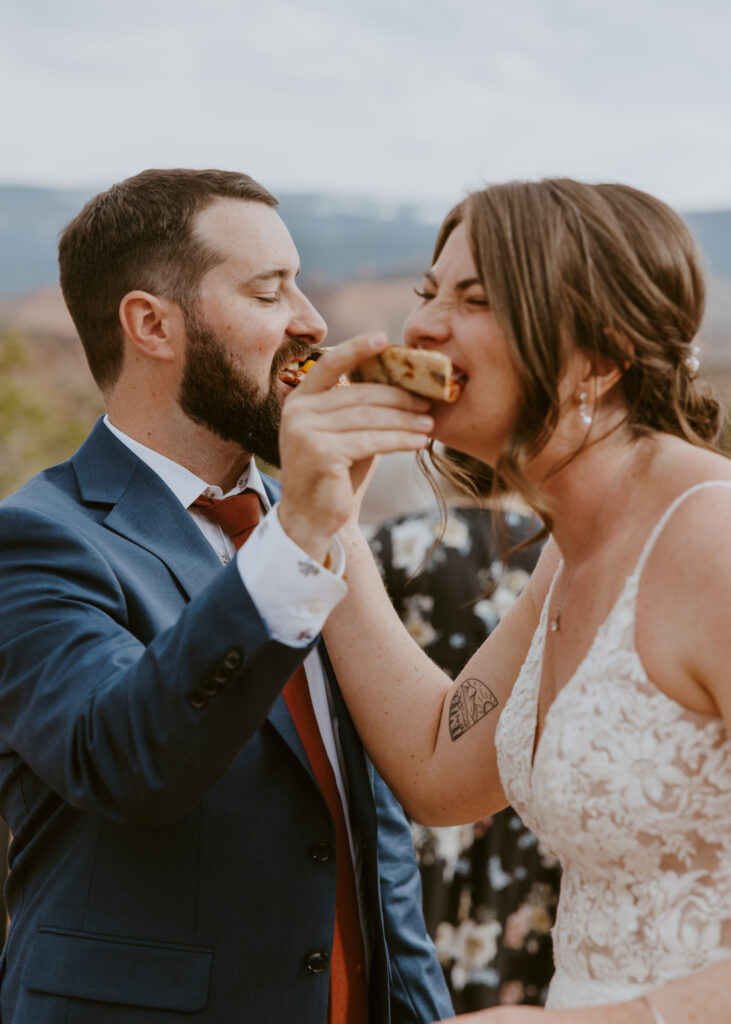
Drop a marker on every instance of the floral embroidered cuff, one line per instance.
(293, 593)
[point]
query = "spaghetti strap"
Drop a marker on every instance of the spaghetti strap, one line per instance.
(660, 524)
(547, 600)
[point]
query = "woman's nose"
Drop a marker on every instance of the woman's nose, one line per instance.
(426, 324)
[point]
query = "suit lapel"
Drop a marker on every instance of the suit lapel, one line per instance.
(163, 527)
(282, 721)
(143, 508)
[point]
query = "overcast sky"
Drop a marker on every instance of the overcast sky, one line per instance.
(395, 99)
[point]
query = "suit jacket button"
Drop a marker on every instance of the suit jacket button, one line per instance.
(210, 685)
(317, 962)
(321, 851)
(232, 659)
(197, 699)
(222, 674)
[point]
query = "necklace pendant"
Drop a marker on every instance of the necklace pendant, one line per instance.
(556, 622)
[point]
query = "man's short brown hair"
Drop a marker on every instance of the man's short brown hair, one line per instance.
(139, 235)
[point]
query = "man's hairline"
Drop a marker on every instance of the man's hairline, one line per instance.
(207, 246)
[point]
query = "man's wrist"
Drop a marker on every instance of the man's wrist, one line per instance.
(300, 531)
(292, 591)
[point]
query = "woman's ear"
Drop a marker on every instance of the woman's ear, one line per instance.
(603, 376)
(600, 373)
(149, 324)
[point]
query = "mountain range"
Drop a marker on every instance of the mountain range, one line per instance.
(359, 259)
(338, 240)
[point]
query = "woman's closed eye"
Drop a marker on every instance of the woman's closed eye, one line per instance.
(476, 301)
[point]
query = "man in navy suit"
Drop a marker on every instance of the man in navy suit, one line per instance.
(173, 855)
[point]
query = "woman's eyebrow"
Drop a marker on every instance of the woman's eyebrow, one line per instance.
(461, 286)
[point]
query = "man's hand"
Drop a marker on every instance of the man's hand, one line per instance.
(329, 437)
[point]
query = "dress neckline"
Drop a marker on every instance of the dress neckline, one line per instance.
(630, 586)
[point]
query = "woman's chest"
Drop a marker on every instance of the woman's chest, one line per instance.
(617, 760)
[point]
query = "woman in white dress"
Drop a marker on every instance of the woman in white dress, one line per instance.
(600, 707)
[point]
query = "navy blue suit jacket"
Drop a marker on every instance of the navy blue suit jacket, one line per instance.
(172, 853)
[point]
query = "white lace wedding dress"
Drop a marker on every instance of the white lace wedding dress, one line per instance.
(632, 793)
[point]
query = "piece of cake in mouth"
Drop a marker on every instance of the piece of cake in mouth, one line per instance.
(297, 369)
(422, 371)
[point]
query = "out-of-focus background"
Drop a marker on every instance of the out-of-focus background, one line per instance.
(368, 120)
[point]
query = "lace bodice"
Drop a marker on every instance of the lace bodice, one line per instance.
(632, 792)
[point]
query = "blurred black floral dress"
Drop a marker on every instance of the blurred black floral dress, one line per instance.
(490, 890)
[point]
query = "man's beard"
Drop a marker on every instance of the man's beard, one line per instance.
(217, 393)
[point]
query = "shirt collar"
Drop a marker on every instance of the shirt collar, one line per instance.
(186, 486)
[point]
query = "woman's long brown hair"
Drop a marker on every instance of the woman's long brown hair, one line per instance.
(608, 268)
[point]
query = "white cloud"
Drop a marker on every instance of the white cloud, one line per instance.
(400, 98)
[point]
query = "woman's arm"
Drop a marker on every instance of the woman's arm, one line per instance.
(431, 738)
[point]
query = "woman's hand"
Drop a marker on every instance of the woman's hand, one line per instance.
(330, 436)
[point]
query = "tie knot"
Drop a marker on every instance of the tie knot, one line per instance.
(237, 516)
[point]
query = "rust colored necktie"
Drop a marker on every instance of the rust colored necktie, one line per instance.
(237, 516)
(348, 982)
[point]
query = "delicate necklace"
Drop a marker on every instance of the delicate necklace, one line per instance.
(555, 620)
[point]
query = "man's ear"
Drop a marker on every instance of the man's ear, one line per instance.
(150, 324)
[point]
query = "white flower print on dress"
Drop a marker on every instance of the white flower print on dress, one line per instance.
(443, 844)
(457, 535)
(410, 544)
(469, 947)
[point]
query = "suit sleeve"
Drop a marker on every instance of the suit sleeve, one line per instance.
(135, 732)
(419, 992)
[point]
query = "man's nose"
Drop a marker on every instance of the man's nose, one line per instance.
(308, 323)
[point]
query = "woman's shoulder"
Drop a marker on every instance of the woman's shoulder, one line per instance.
(687, 531)
(686, 464)
(685, 584)
(689, 495)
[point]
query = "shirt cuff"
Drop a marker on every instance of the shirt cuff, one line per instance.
(293, 593)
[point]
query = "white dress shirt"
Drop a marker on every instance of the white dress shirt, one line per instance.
(293, 594)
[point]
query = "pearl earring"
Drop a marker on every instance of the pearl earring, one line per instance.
(584, 414)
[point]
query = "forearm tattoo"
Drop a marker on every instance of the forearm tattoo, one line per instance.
(472, 701)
